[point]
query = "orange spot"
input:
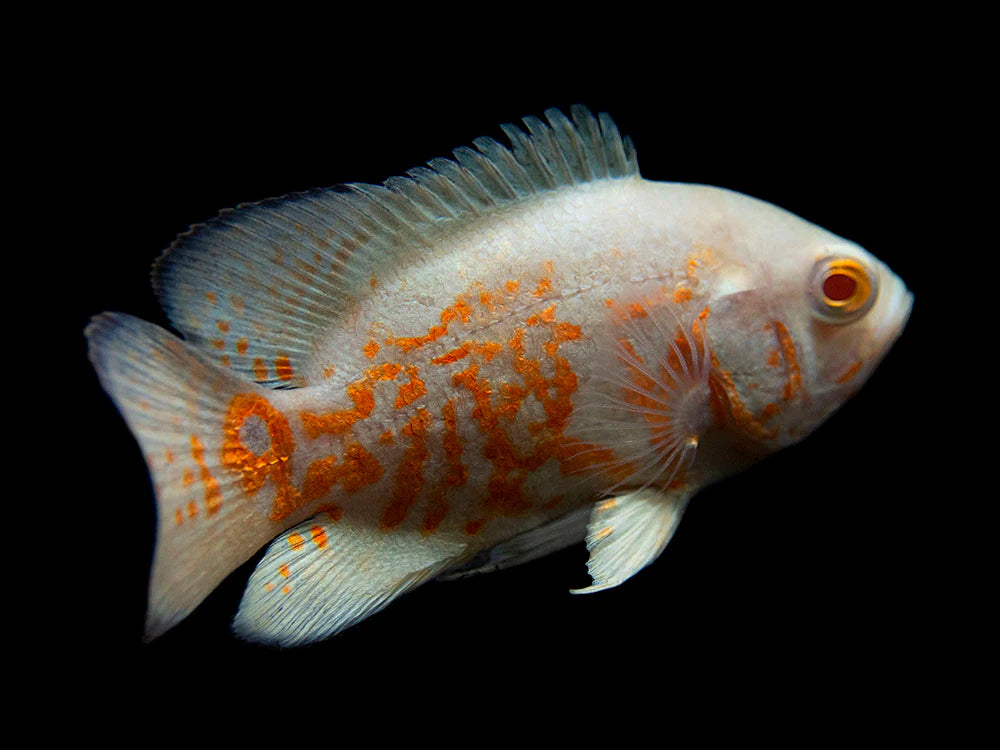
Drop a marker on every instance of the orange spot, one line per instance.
(409, 478)
(295, 541)
(371, 349)
(283, 368)
(411, 391)
(513, 286)
(453, 356)
(544, 285)
(241, 345)
(169, 456)
(219, 343)
(373, 282)
(178, 517)
(224, 360)
(192, 509)
(210, 296)
(187, 478)
(609, 302)
(213, 496)
(635, 310)
(223, 326)
(273, 464)
(259, 370)
(286, 589)
(682, 294)
(269, 586)
(318, 536)
(328, 371)
(283, 570)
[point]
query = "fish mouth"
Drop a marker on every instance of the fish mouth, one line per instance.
(893, 320)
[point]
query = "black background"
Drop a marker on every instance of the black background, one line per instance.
(817, 568)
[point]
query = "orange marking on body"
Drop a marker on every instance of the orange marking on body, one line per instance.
(635, 310)
(850, 373)
(168, 455)
(283, 368)
(513, 286)
(794, 383)
(609, 302)
(259, 370)
(774, 358)
(358, 469)
(328, 371)
(460, 311)
(334, 511)
(223, 326)
(412, 390)
(192, 509)
(682, 294)
(213, 495)
(409, 479)
(544, 285)
(241, 345)
(453, 356)
(725, 399)
(273, 464)
(371, 349)
(178, 517)
(318, 536)
(283, 570)
(187, 477)
(339, 422)
(373, 282)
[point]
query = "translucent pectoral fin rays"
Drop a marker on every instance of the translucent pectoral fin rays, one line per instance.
(628, 532)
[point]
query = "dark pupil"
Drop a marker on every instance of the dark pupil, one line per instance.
(839, 287)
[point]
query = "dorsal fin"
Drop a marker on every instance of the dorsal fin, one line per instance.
(255, 286)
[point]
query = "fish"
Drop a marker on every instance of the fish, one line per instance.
(492, 358)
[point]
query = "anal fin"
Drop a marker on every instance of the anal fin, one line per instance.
(325, 575)
(628, 532)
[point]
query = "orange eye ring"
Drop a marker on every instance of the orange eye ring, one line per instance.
(842, 289)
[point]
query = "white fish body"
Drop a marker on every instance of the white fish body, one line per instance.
(471, 367)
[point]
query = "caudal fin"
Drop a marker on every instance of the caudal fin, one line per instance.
(175, 401)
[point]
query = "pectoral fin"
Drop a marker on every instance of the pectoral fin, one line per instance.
(628, 532)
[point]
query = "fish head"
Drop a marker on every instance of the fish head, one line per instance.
(802, 319)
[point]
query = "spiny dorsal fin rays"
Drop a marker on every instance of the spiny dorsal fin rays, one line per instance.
(628, 532)
(255, 287)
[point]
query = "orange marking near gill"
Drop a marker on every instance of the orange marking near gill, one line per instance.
(725, 400)
(850, 373)
(213, 495)
(794, 384)
(409, 479)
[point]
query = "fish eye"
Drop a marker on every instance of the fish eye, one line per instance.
(842, 289)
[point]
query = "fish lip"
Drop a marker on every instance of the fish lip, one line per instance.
(894, 320)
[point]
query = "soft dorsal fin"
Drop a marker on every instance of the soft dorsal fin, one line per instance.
(255, 286)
